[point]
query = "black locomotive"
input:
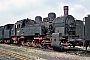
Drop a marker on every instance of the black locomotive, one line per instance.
(48, 32)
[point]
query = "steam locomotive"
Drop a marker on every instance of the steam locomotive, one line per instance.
(52, 32)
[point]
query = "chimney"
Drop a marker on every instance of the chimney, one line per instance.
(65, 10)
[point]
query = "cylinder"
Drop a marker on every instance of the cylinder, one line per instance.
(66, 10)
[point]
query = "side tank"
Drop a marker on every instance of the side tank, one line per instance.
(87, 28)
(79, 28)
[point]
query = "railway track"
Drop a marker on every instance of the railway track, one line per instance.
(38, 53)
(20, 57)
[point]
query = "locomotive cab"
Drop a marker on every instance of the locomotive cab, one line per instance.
(7, 33)
(1, 33)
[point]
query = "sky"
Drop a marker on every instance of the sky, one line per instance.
(14, 10)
